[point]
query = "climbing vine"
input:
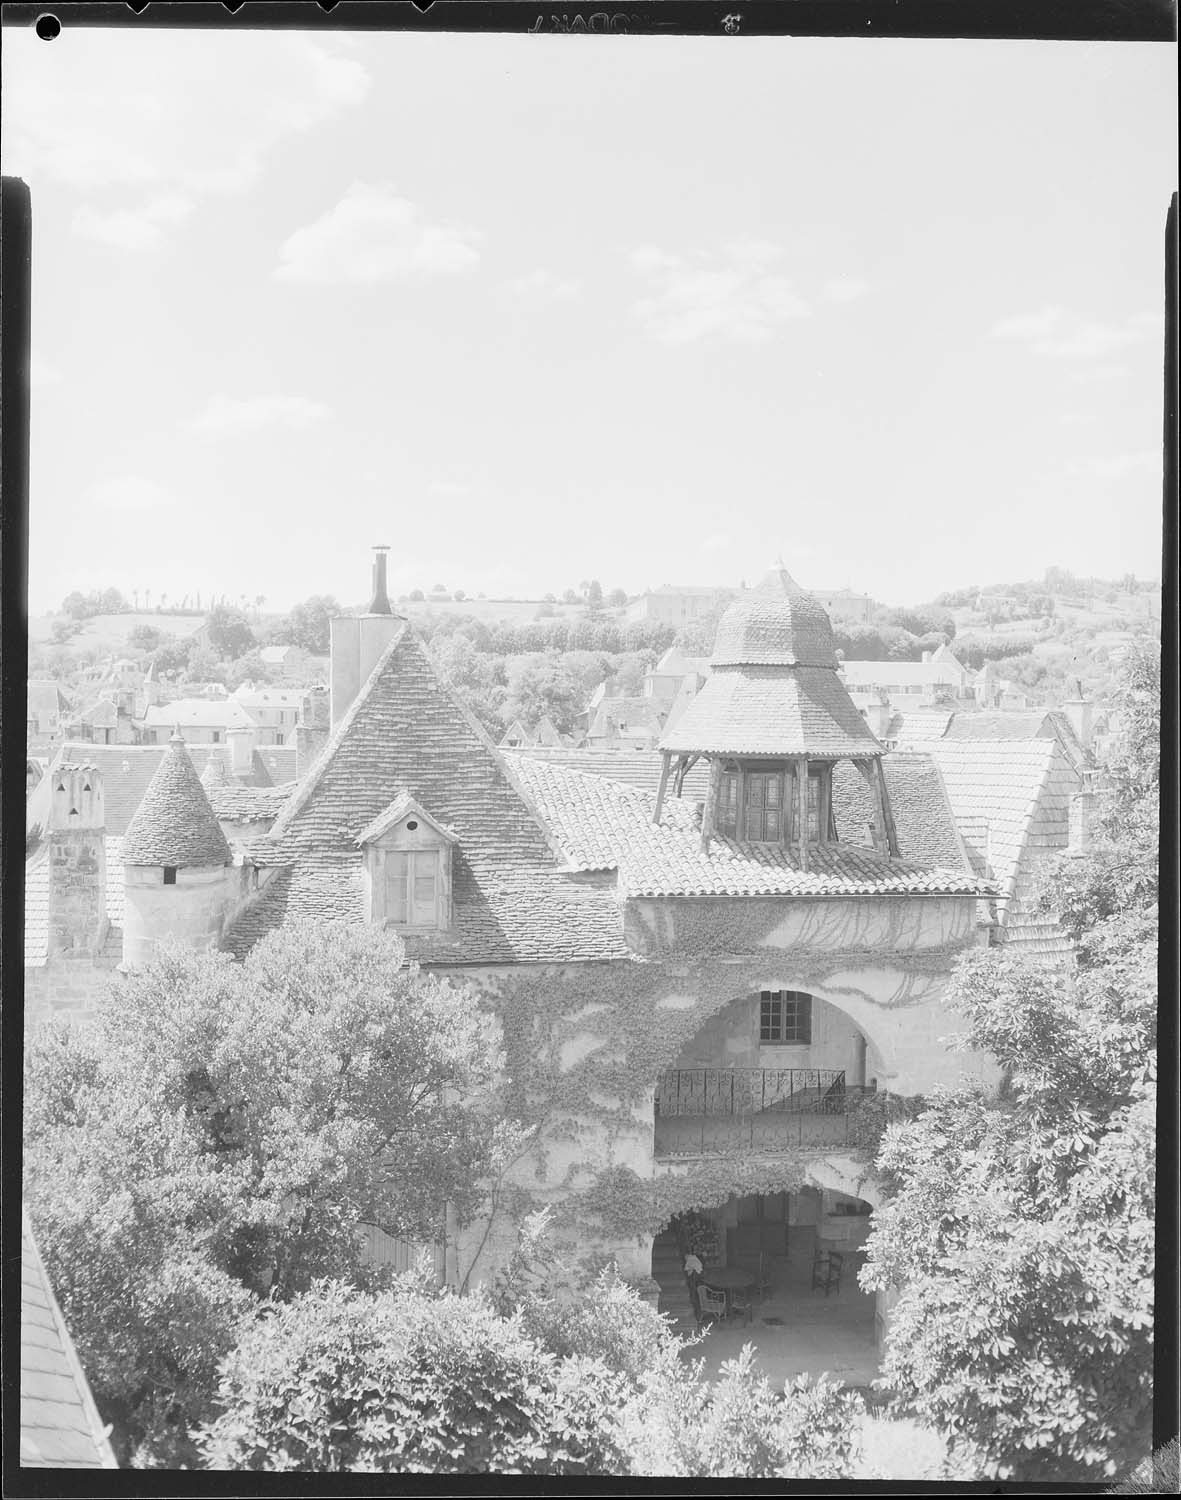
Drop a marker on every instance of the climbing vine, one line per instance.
(584, 1046)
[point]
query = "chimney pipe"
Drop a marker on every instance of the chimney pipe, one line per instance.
(380, 603)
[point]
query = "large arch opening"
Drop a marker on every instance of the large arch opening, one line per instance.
(779, 1271)
(774, 1070)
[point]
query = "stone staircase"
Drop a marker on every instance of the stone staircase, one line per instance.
(668, 1272)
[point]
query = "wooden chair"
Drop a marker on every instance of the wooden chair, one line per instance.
(742, 1303)
(710, 1304)
(826, 1271)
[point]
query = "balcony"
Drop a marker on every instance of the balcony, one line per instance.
(714, 1111)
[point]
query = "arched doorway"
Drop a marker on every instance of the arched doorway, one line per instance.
(798, 1253)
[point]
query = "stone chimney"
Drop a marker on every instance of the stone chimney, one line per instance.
(1082, 813)
(241, 743)
(1080, 710)
(358, 641)
(77, 861)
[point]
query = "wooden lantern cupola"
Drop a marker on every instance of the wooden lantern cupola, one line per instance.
(772, 719)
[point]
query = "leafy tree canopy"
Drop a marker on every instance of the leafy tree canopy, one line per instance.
(1019, 1229)
(222, 1133)
(229, 632)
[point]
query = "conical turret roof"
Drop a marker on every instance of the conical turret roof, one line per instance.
(174, 824)
(773, 688)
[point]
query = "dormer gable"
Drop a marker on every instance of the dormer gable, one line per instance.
(407, 867)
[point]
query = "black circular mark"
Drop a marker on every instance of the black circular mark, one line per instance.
(47, 27)
(412, 825)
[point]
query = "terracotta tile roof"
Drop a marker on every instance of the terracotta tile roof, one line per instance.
(174, 824)
(1012, 800)
(246, 804)
(60, 1425)
(766, 710)
(602, 825)
(513, 899)
(37, 898)
(638, 768)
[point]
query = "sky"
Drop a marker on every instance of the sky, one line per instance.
(532, 310)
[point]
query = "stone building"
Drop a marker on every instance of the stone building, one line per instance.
(705, 960)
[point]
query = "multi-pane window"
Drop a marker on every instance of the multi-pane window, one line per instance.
(785, 1018)
(764, 806)
(413, 887)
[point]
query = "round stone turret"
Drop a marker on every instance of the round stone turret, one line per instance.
(179, 879)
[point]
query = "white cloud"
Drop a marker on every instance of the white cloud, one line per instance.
(373, 235)
(1057, 333)
(133, 229)
(730, 295)
(229, 414)
(199, 113)
(129, 493)
(844, 289)
(544, 286)
(1118, 465)
(43, 373)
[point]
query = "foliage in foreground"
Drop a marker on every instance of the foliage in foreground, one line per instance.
(549, 1373)
(1020, 1228)
(221, 1135)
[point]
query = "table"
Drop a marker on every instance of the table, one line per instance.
(729, 1279)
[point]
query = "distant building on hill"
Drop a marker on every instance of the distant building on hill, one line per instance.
(673, 604)
(938, 674)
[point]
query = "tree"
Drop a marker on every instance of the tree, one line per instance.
(1019, 1228)
(229, 632)
(406, 1381)
(617, 598)
(416, 596)
(537, 686)
(594, 594)
(569, 597)
(221, 1134)
(308, 624)
(143, 638)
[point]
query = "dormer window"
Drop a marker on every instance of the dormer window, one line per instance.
(407, 868)
(757, 803)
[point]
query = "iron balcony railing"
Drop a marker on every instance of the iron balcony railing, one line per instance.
(751, 1091)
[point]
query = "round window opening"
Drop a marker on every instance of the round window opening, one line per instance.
(412, 825)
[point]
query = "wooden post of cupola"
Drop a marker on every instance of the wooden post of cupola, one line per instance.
(665, 766)
(709, 811)
(802, 808)
(884, 810)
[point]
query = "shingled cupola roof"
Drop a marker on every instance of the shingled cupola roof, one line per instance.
(778, 625)
(773, 687)
(174, 825)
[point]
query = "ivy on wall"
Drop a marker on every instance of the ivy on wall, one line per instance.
(584, 1045)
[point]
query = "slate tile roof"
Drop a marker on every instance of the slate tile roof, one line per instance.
(1012, 800)
(513, 899)
(638, 768)
(919, 726)
(627, 716)
(37, 898)
(603, 825)
(127, 769)
(60, 1427)
(767, 710)
(777, 624)
(198, 713)
(246, 804)
(174, 824)
(1021, 724)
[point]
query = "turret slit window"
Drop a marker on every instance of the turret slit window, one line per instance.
(169, 874)
(785, 1018)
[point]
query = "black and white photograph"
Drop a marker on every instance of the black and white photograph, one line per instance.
(592, 791)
